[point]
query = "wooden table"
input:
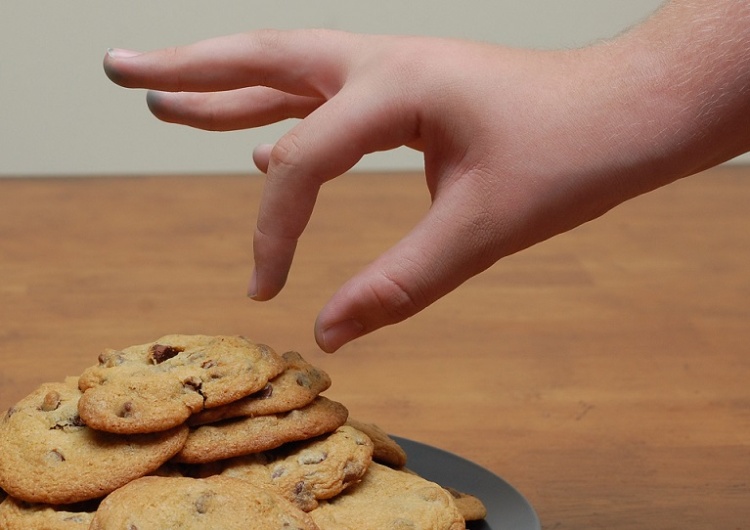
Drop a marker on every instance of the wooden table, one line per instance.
(604, 373)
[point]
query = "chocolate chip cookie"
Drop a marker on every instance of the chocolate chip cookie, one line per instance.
(470, 507)
(158, 503)
(19, 515)
(305, 472)
(48, 455)
(387, 451)
(295, 387)
(392, 499)
(242, 436)
(157, 386)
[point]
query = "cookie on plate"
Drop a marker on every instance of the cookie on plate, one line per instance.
(48, 455)
(305, 472)
(156, 386)
(471, 507)
(389, 498)
(387, 451)
(295, 387)
(156, 503)
(19, 515)
(242, 436)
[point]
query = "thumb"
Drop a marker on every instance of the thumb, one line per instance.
(444, 250)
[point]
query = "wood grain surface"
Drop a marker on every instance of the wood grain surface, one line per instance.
(604, 373)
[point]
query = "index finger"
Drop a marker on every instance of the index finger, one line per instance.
(361, 119)
(307, 62)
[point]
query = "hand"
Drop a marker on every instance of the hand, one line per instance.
(518, 145)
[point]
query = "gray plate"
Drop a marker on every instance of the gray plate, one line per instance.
(507, 509)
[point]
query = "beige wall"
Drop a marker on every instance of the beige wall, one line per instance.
(60, 115)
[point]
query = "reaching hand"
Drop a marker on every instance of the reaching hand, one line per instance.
(519, 145)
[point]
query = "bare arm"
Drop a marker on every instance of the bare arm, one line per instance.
(519, 145)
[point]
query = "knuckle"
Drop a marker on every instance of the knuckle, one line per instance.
(174, 56)
(286, 153)
(397, 299)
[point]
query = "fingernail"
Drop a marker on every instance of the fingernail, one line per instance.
(252, 288)
(340, 333)
(119, 53)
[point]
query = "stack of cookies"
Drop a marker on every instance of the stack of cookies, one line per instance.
(195, 431)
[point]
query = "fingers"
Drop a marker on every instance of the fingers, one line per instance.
(233, 110)
(443, 251)
(310, 63)
(262, 156)
(323, 146)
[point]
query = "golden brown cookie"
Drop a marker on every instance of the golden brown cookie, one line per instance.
(305, 472)
(156, 386)
(19, 515)
(295, 387)
(48, 455)
(242, 436)
(387, 498)
(387, 451)
(158, 503)
(471, 507)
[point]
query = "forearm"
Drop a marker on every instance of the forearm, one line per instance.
(691, 82)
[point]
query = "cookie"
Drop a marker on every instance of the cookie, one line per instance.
(156, 386)
(295, 387)
(306, 472)
(392, 499)
(19, 515)
(48, 455)
(158, 503)
(471, 507)
(242, 436)
(387, 451)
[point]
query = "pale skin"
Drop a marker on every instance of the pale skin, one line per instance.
(519, 145)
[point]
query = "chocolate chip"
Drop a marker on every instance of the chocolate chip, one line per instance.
(10, 412)
(161, 352)
(278, 472)
(264, 393)
(299, 487)
(51, 401)
(127, 410)
(208, 364)
(303, 380)
(352, 472)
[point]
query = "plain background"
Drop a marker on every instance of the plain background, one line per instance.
(60, 115)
